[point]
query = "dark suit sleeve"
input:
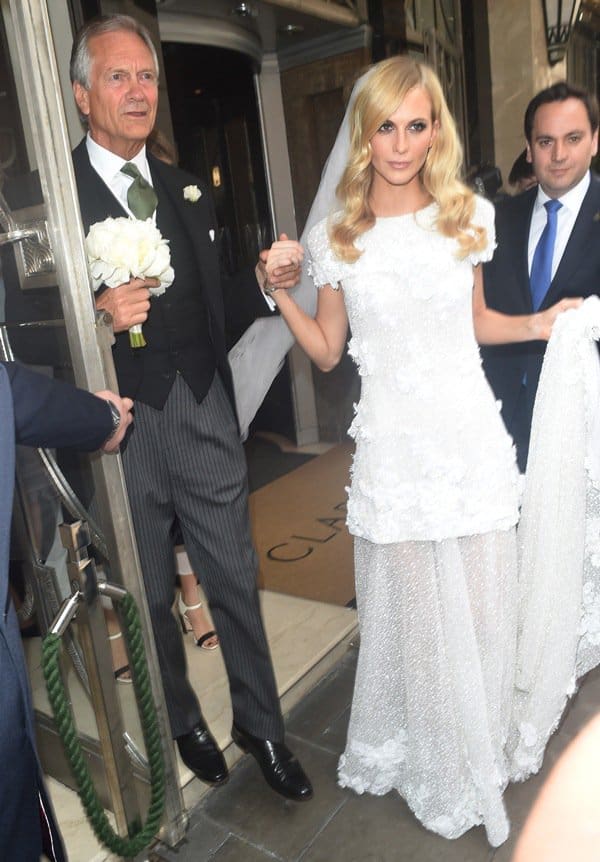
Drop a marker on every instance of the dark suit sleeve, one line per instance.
(243, 302)
(54, 414)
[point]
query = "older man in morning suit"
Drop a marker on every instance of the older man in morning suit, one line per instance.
(184, 459)
(548, 243)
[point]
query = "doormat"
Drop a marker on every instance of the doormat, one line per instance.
(267, 461)
(299, 528)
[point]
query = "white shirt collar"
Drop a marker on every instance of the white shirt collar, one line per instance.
(572, 199)
(108, 164)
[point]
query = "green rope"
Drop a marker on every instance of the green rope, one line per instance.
(138, 838)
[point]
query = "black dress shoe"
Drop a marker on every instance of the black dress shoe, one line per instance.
(281, 769)
(201, 754)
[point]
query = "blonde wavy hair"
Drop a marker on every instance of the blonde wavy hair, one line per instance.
(385, 88)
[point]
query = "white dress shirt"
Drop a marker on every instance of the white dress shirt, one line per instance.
(567, 214)
(108, 166)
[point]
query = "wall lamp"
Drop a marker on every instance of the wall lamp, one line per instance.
(559, 17)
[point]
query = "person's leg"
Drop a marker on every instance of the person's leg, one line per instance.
(208, 470)
(117, 646)
(20, 828)
(149, 489)
(208, 476)
(191, 610)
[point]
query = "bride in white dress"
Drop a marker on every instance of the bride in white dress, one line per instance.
(433, 501)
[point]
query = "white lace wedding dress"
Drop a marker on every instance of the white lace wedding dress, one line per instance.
(432, 504)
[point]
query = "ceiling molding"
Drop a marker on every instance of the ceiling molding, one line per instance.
(196, 30)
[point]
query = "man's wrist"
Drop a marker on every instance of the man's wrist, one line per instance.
(115, 418)
(263, 283)
(264, 280)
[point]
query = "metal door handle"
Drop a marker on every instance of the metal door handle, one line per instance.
(17, 236)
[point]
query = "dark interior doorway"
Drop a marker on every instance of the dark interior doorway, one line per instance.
(217, 132)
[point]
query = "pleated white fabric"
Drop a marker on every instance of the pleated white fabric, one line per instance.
(559, 537)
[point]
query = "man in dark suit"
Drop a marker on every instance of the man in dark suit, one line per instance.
(184, 460)
(544, 256)
(37, 411)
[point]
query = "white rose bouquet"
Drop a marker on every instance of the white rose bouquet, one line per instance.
(122, 248)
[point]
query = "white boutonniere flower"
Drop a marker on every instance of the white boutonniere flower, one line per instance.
(192, 193)
(122, 248)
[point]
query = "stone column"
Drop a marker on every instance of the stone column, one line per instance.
(519, 69)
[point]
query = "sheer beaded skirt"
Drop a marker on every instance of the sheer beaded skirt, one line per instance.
(435, 677)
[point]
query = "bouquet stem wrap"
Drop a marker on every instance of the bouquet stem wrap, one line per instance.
(136, 336)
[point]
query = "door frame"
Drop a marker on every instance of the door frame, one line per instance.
(89, 339)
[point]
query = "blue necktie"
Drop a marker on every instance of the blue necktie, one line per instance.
(541, 267)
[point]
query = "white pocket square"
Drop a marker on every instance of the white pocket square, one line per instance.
(211, 234)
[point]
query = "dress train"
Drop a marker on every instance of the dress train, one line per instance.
(559, 538)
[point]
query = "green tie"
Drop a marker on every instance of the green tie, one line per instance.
(141, 197)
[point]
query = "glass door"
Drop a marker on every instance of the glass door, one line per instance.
(72, 526)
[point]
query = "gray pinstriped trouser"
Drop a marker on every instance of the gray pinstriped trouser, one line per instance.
(187, 460)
